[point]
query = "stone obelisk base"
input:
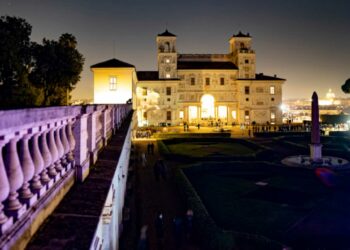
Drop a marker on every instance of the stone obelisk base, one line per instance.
(316, 152)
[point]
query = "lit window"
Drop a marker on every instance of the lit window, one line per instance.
(112, 83)
(167, 75)
(222, 81)
(168, 90)
(273, 115)
(144, 91)
(234, 114)
(246, 90)
(181, 115)
(167, 60)
(272, 90)
(207, 81)
(168, 115)
(246, 114)
(193, 81)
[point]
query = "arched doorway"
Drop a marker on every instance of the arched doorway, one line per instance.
(208, 107)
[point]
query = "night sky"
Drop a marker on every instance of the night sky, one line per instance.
(306, 42)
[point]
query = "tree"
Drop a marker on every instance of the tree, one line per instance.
(15, 63)
(57, 68)
(346, 87)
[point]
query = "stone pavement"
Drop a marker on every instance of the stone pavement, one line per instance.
(149, 197)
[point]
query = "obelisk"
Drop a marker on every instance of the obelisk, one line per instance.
(315, 146)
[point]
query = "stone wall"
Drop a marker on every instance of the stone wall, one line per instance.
(43, 152)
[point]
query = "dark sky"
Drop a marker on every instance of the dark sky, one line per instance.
(305, 41)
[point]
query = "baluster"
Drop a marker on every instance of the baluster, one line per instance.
(5, 222)
(15, 177)
(60, 151)
(66, 147)
(45, 152)
(54, 154)
(27, 169)
(71, 142)
(38, 161)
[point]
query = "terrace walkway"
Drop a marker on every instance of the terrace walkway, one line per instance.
(73, 223)
(149, 197)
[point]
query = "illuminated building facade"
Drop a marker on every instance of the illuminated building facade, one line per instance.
(199, 88)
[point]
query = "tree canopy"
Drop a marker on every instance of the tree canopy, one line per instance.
(33, 74)
(346, 86)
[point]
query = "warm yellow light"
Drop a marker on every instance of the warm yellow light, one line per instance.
(234, 114)
(181, 115)
(192, 112)
(222, 112)
(208, 106)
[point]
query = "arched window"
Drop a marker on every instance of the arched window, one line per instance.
(167, 47)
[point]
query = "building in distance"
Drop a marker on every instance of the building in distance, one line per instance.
(201, 89)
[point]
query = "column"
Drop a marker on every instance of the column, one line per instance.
(60, 151)
(27, 164)
(5, 222)
(45, 152)
(71, 141)
(54, 154)
(15, 176)
(38, 162)
(66, 148)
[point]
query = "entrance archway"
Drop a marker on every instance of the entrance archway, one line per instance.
(208, 107)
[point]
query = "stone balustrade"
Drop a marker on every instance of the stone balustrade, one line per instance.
(43, 152)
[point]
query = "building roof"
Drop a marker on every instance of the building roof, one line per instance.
(147, 75)
(262, 77)
(205, 65)
(166, 33)
(240, 34)
(112, 63)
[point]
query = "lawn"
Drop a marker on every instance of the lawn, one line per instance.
(232, 197)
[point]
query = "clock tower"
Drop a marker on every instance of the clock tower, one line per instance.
(167, 55)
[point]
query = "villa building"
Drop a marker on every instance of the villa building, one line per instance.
(193, 88)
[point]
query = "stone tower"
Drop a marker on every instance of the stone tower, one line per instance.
(167, 55)
(243, 55)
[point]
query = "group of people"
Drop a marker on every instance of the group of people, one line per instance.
(182, 227)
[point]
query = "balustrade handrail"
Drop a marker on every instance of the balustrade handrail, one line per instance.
(40, 150)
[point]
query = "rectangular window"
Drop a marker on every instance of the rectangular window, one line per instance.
(246, 61)
(246, 114)
(234, 114)
(259, 103)
(168, 115)
(273, 115)
(259, 90)
(167, 60)
(167, 75)
(222, 81)
(193, 81)
(246, 90)
(207, 81)
(168, 90)
(181, 115)
(272, 90)
(112, 83)
(144, 91)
